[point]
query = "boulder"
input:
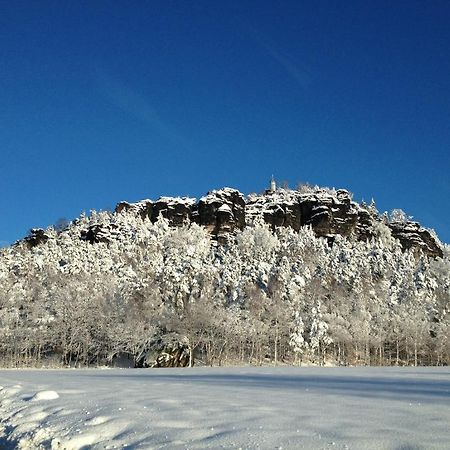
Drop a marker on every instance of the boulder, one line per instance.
(123, 360)
(171, 350)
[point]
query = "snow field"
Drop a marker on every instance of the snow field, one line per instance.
(247, 408)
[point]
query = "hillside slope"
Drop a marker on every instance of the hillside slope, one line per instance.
(284, 276)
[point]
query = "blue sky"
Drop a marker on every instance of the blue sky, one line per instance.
(109, 101)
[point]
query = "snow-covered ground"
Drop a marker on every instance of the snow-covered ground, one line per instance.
(267, 408)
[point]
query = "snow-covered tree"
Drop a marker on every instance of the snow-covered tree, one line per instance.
(108, 284)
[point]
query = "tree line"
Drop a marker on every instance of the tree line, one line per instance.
(265, 297)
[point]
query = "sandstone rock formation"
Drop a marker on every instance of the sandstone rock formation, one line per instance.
(328, 212)
(144, 208)
(413, 235)
(178, 210)
(221, 212)
(225, 211)
(277, 208)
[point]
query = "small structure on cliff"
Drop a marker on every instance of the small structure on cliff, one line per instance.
(272, 186)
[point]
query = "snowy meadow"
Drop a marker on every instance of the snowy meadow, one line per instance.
(289, 408)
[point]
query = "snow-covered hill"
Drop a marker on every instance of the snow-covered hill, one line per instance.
(285, 276)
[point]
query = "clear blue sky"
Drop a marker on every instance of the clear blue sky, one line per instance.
(108, 101)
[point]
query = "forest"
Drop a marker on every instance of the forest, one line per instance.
(265, 296)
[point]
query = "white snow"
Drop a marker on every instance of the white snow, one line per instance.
(173, 201)
(219, 195)
(45, 395)
(225, 208)
(289, 408)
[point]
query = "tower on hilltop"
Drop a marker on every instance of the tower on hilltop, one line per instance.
(273, 185)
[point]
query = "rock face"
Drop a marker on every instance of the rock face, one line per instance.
(412, 235)
(328, 212)
(144, 208)
(277, 208)
(178, 210)
(222, 212)
(365, 223)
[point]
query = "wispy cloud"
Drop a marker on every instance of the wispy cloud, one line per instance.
(137, 105)
(295, 69)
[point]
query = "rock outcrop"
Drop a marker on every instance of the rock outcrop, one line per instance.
(225, 211)
(365, 223)
(329, 212)
(413, 235)
(144, 208)
(171, 350)
(178, 210)
(222, 212)
(277, 208)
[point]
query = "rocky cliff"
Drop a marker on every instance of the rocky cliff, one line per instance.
(222, 212)
(328, 212)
